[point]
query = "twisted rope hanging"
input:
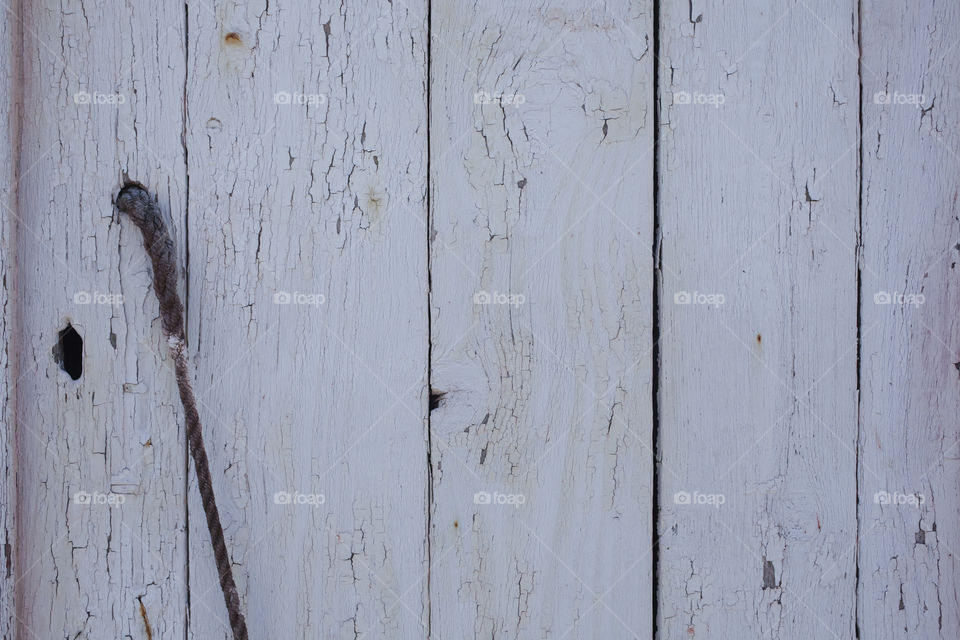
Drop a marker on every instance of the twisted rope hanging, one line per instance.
(136, 202)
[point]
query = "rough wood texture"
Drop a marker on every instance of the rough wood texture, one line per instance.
(370, 379)
(542, 220)
(10, 110)
(909, 519)
(101, 549)
(758, 209)
(307, 313)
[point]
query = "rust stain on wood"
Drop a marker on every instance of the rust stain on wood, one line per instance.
(146, 622)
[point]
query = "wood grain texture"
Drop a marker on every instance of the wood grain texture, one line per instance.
(440, 424)
(909, 435)
(307, 313)
(758, 211)
(541, 267)
(101, 503)
(10, 46)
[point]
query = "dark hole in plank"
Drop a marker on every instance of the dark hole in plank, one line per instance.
(435, 398)
(69, 351)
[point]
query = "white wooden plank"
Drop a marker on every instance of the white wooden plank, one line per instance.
(10, 45)
(542, 189)
(308, 313)
(758, 212)
(909, 438)
(102, 96)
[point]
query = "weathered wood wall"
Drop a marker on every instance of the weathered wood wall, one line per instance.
(10, 42)
(758, 356)
(100, 539)
(526, 320)
(307, 160)
(541, 323)
(910, 346)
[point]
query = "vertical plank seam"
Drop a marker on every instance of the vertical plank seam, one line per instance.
(13, 331)
(859, 259)
(186, 308)
(655, 333)
(429, 226)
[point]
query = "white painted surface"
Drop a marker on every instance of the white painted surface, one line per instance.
(303, 130)
(909, 400)
(307, 163)
(758, 204)
(98, 100)
(9, 150)
(542, 192)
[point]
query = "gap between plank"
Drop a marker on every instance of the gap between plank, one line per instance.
(429, 515)
(655, 334)
(186, 307)
(858, 256)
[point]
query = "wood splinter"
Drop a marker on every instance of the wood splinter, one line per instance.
(135, 201)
